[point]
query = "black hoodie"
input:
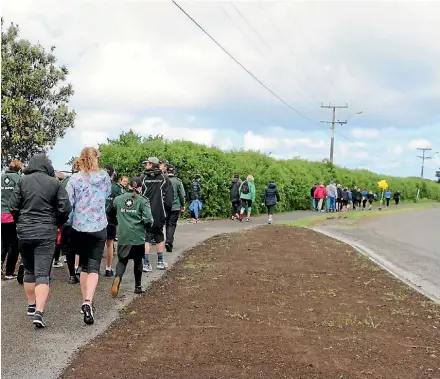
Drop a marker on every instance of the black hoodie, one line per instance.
(39, 203)
(157, 188)
(234, 189)
(271, 194)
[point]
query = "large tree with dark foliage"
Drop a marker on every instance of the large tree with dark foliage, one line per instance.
(35, 96)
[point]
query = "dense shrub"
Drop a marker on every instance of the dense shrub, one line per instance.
(294, 177)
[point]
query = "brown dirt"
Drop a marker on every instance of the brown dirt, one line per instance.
(273, 302)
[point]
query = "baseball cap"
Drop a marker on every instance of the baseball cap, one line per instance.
(164, 161)
(153, 160)
(109, 168)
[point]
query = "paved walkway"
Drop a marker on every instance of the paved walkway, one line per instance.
(42, 354)
(407, 244)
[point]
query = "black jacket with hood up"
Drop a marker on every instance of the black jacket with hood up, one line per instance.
(157, 188)
(234, 189)
(271, 195)
(39, 203)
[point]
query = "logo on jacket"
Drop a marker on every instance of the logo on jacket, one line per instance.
(128, 203)
(7, 181)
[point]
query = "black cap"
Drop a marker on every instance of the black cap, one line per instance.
(171, 168)
(109, 168)
(135, 182)
(164, 161)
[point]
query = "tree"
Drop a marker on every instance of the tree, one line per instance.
(34, 98)
(70, 161)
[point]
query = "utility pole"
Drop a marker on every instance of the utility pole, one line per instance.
(423, 157)
(333, 122)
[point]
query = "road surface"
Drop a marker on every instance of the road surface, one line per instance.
(43, 354)
(406, 243)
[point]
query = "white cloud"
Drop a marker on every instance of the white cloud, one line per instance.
(364, 133)
(397, 149)
(254, 141)
(419, 143)
(305, 142)
(157, 126)
(89, 138)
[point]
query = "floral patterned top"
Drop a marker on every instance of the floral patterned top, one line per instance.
(87, 194)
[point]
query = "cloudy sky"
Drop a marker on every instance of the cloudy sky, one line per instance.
(144, 65)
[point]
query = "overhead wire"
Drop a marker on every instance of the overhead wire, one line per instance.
(261, 82)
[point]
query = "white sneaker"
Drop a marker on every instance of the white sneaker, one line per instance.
(147, 268)
(162, 265)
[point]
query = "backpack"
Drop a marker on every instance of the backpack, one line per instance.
(245, 187)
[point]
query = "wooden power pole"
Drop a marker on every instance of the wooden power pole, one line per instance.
(333, 122)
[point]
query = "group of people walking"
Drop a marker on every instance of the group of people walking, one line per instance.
(340, 199)
(82, 215)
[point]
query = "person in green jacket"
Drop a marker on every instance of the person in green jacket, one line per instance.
(116, 190)
(133, 214)
(9, 233)
(178, 206)
(247, 197)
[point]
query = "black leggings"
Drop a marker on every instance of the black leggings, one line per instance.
(235, 207)
(388, 202)
(66, 233)
(135, 252)
(90, 248)
(9, 246)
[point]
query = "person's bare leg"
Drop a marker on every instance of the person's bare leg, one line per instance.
(109, 253)
(41, 295)
(76, 262)
(29, 291)
(83, 279)
(92, 283)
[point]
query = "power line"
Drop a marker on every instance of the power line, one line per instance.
(243, 67)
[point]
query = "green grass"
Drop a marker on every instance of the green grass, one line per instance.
(355, 215)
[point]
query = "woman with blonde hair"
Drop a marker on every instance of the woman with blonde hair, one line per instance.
(88, 189)
(247, 196)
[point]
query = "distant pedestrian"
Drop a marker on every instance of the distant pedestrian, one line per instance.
(134, 216)
(364, 194)
(39, 206)
(88, 190)
(396, 197)
(234, 195)
(196, 199)
(9, 228)
(312, 195)
(176, 209)
(247, 197)
(320, 194)
(387, 196)
(345, 199)
(270, 197)
(370, 198)
(332, 193)
(357, 198)
(339, 204)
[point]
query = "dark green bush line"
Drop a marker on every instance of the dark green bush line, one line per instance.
(294, 177)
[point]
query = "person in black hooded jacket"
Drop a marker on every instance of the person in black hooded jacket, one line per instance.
(39, 205)
(234, 195)
(270, 197)
(157, 188)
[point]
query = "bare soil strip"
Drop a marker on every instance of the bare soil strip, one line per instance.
(273, 302)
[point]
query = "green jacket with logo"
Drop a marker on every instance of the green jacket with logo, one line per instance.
(133, 214)
(178, 193)
(9, 180)
(115, 191)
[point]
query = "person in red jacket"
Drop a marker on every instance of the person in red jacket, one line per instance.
(320, 194)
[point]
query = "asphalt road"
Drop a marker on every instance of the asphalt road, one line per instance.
(42, 354)
(407, 244)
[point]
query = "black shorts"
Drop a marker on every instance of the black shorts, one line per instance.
(131, 251)
(111, 232)
(154, 233)
(246, 203)
(370, 201)
(66, 232)
(88, 245)
(344, 203)
(270, 209)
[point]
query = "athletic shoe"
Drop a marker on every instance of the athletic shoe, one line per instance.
(168, 248)
(31, 309)
(248, 219)
(161, 265)
(20, 274)
(109, 273)
(57, 264)
(73, 280)
(232, 218)
(87, 310)
(270, 222)
(10, 277)
(147, 268)
(115, 286)
(139, 290)
(65, 259)
(39, 320)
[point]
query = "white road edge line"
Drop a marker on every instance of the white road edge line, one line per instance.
(419, 284)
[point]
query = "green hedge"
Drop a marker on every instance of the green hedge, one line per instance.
(294, 177)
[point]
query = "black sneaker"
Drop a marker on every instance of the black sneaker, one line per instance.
(168, 248)
(87, 310)
(139, 290)
(115, 286)
(73, 280)
(20, 274)
(109, 273)
(31, 309)
(39, 320)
